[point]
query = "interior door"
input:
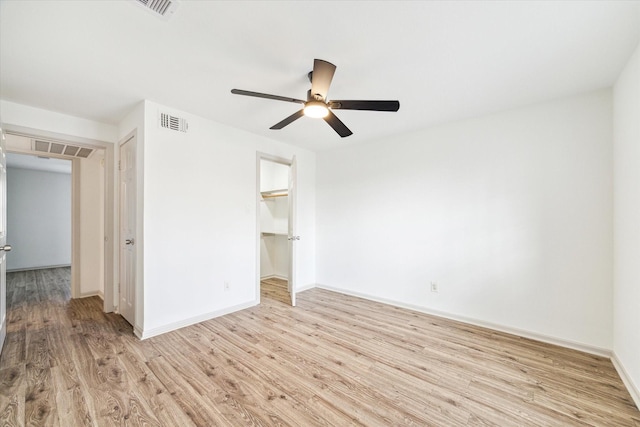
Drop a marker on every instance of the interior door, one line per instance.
(127, 230)
(292, 237)
(4, 248)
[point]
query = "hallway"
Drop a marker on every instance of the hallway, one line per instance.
(32, 286)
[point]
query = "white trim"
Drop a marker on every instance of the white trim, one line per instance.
(92, 294)
(45, 134)
(76, 215)
(598, 351)
(634, 391)
(138, 332)
(258, 231)
(306, 287)
(273, 276)
(110, 229)
(3, 328)
(144, 334)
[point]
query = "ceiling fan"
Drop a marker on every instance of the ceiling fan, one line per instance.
(317, 105)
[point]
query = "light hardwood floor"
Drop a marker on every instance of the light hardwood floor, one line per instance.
(275, 289)
(334, 360)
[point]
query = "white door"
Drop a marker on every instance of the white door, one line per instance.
(4, 248)
(128, 230)
(292, 237)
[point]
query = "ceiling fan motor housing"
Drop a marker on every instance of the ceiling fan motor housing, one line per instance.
(314, 97)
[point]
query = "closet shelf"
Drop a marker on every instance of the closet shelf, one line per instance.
(274, 193)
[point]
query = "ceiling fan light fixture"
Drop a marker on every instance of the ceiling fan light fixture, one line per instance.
(317, 106)
(316, 109)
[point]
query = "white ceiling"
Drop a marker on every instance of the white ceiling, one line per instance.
(444, 61)
(23, 161)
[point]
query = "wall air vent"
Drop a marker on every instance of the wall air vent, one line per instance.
(161, 8)
(174, 123)
(62, 150)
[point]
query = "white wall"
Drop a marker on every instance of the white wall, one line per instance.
(53, 122)
(200, 219)
(273, 176)
(510, 214)
(626, 130)
(274, 215)
(274, 257)
(38, 219)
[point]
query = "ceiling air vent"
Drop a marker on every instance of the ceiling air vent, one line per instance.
(174, 123)
(161, 8)
(61, 149)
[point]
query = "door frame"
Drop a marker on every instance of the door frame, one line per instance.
(3, 234)
(110, 206)
(283, 161)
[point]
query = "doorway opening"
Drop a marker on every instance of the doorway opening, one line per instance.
(39, 214)
(276, 228)
(84, 243)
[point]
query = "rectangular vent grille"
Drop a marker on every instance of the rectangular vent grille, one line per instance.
(164, 8)
(63, 150)
(71, 150)
(84, 153)
(56, 148)
(174, 123)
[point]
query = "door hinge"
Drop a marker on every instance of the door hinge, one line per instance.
(119, 168)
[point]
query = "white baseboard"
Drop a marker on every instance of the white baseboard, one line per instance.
(92, 294)
(598, 351)
(634, 391)
(298, 289)
(138, 332)
(274, 276)
(143, 334)
(16, 270)
(305, 287)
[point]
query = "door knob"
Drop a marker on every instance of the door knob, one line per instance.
(293, 238)
(6, 248)
(128, 242)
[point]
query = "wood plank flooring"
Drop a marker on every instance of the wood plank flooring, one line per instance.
(334, 360)
(275, 289)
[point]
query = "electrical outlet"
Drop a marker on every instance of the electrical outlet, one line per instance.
(226, 286)
(434, 286)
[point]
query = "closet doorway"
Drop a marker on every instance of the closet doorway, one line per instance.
(277, 228)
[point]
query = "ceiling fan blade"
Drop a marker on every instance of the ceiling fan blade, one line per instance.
(295, 116)
(337, 125)
(321, 77)
(365, 105)
(265, 95)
